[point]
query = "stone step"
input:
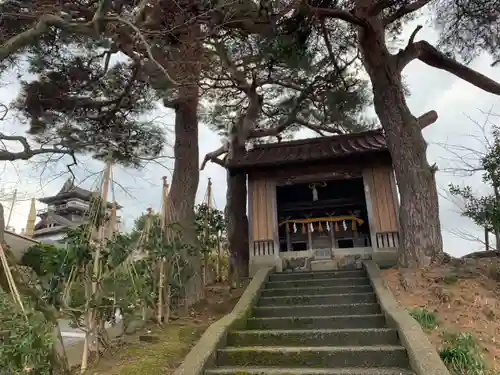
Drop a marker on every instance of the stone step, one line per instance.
(345, 289)
(282, 276)
(314, 357)
(319, 337)
(316, 310)
(327, 299)
(309, 283)
(318, 322)
(307, 371)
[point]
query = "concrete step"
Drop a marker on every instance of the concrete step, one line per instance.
(277, 292)
(307, 371)
(314, 357)
(319, 337)
(283, 276)
(327, 299)
(316, 310)
(309, 283)
(318, 322)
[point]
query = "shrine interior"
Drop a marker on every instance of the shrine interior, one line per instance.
(323, 199)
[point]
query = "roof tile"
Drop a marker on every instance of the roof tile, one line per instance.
(312, 149)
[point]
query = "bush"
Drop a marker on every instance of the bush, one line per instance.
(450, 278)
(44, 259)
(25, 342)
(461, 355)
(426, 319)
(495, 272)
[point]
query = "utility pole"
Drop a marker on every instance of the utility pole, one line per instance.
(14, 198)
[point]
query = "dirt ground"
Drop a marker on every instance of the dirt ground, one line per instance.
(131, 356)
(465, 296)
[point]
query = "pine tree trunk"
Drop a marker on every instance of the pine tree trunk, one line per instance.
(185, 178)
(237, 225)
(421, 240)
(487, 239)
(184, 61)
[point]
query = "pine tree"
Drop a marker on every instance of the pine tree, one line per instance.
(259, 89)
(367, 27)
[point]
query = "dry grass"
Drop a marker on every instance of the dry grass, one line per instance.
(173, 341)
(139, 358)
(463, 299)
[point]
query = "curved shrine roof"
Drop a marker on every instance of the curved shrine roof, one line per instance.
(312, 149)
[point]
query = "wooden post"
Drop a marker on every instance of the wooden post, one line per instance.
(288, 241)
(309, 238)
(162, 261)
(207, 234)
(91, 324)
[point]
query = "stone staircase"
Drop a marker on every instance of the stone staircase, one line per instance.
(314, 323)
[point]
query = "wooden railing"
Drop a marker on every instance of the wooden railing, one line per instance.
(387, 240)
(263, 247)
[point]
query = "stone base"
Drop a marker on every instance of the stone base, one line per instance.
(385, 258)
(324, 265)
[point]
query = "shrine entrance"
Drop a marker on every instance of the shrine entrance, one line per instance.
(323, 215)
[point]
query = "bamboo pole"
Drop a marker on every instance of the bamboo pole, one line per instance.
(162, 261)
(91, 314)
(207, 231)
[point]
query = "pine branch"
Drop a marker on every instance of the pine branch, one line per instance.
(28, 152)
(340, 14)
(42, 26)
(407, 9)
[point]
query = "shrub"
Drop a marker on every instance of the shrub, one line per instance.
(450, 278)
(495, 272)
(25, 342)
(461, 355)
(426, 319)
(44, 259)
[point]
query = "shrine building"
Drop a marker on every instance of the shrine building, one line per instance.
(315, 202)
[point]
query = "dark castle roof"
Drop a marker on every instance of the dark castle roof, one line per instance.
(312, 149)
(69, 190)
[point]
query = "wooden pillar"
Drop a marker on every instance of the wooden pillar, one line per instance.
(367, 177)
(394, 188)
(288, 241)
(309, 238)
(251, 239)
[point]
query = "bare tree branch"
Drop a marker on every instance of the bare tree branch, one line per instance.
(214, 156)
(3, 110)
(427, 119)
(429, 55)
(28, 152)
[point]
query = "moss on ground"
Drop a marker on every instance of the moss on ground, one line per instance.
(140, 358)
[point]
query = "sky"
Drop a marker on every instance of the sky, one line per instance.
(461, 108)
